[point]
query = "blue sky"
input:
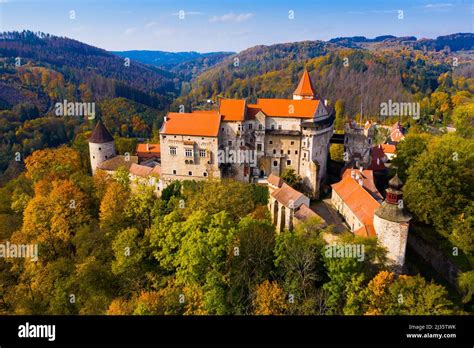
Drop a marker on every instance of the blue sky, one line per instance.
(223, 25)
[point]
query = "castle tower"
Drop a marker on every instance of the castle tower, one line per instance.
(358, 142)
(391, 223)
(101, 146)
(305, 88)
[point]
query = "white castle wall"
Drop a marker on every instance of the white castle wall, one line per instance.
(393, 236)
(100, 153)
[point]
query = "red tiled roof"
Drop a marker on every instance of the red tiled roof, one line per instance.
(305, 87)
(144, 171)
(288, 107)
(275, 180)
(196, 123)
(389, 148)
(286, 194)
(305, 212)
(359, 201)
(148, 150)
(366, 231)
(232, 109)
(378, 159)
(367, 176)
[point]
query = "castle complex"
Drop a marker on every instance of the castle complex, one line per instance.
(250, 141)
(257, 143)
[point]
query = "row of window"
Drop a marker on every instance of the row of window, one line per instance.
(281, 152)
(271, 142)
(187, 152)
(190, 173)
(288, 163)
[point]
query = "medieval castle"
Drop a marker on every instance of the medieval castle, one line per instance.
(256, 143)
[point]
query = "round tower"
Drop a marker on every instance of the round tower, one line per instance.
(391, 223)
(101, 146)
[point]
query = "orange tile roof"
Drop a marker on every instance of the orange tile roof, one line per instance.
(275, 180)
(286, 194)
(144, 171)
(305, 87)
(288, 107)
(389, 148)
(152, 150)
(359, 201)
(367, 176)
(366, 231)
(232, 109)
(305, 212)
(204, 124)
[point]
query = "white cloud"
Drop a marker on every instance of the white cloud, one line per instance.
(151, 24)
(130, 31)
(441, 5)
(231, 17)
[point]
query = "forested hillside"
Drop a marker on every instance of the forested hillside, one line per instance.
(360, 79)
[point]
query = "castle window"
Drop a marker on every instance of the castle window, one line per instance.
(93, 157)
(304, 155)
(100, 148)
(222, 128)
(174, 171)
(105, 157)
(279, 127)
(281, 152)
(189, 153)
(190, 173)
(292, 143)
(241, 143)
(229, 143)
(275, 163)
(240, 127)
(272, 127)
(250, 126)
(274, 151)
(164, 136)
(173, 151)
(259, 147)
(270, 142)
(260, 127)
(202, 153)
(288, 162)
(289, 152)
(296, 152)
(304, 128)
(204, 174)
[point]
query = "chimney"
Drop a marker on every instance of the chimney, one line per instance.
(361, 182)
(325, 102)
(147, 147)
(165, 119)
(361, 169)
(352, 174)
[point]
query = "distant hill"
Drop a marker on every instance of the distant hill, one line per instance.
(102, 73)
(369, 77)
(455, 42)
(169, 60)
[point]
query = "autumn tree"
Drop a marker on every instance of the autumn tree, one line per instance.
(270, 299)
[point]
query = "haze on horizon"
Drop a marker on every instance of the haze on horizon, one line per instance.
(225, 25)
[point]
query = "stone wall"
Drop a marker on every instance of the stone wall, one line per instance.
(435, 258)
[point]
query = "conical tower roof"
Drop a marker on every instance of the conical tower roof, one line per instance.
(101, 134)
(305, 87)
(395, 182)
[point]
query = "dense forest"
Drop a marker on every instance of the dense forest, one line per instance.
(210, 247)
